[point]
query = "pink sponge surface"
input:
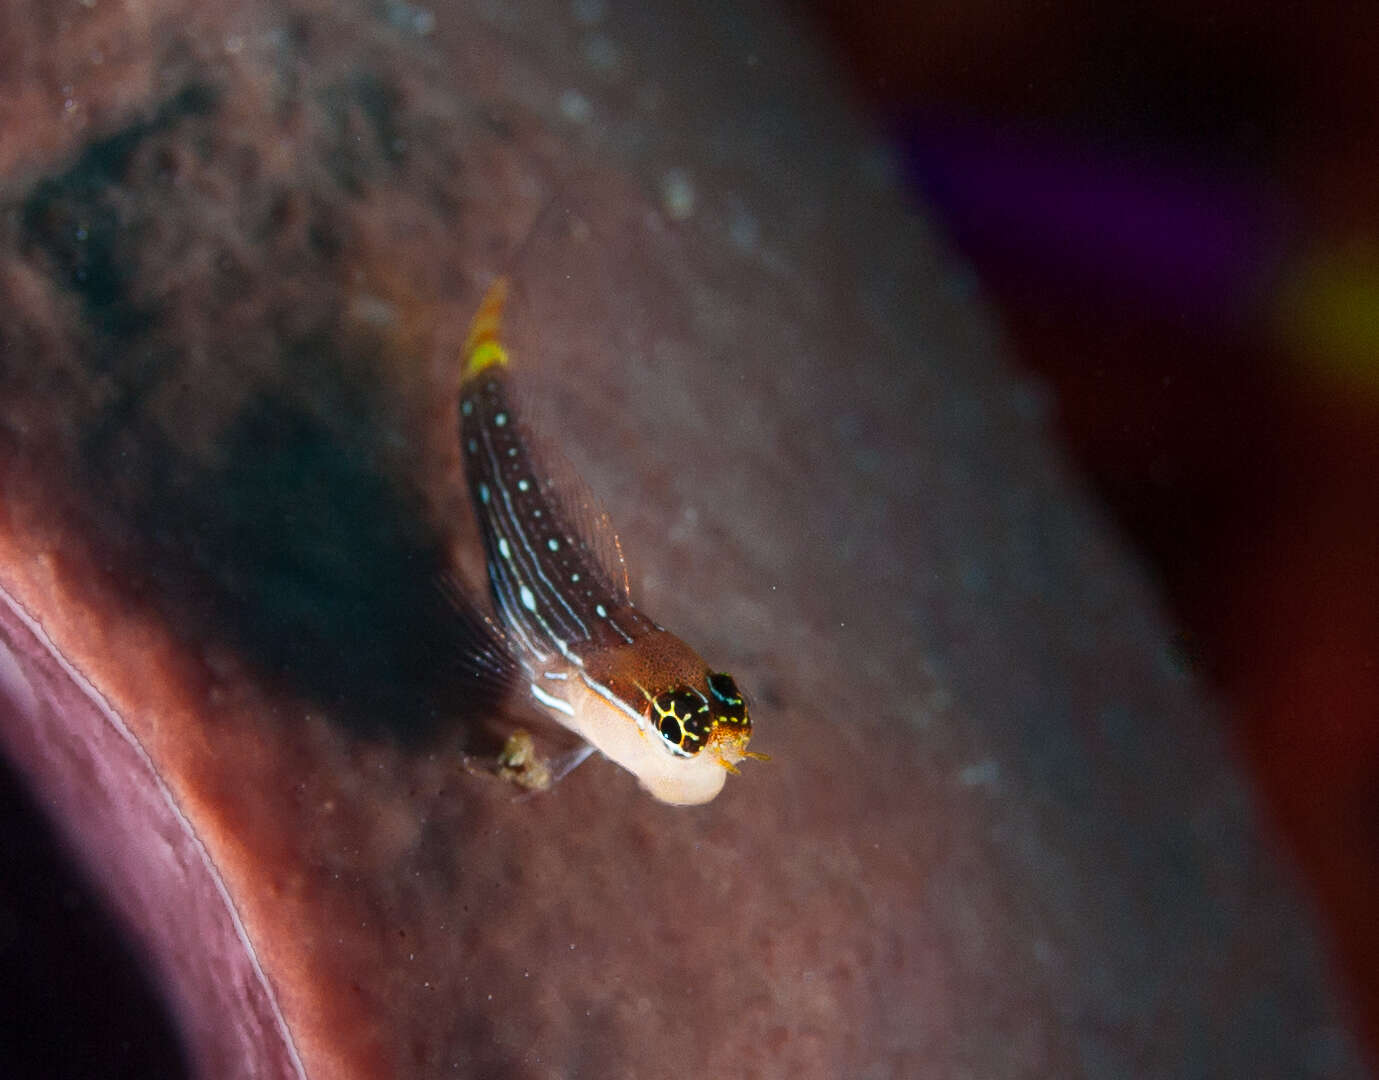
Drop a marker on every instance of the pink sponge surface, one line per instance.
(1000, 833)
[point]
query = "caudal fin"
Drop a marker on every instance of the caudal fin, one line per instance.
(482, 348)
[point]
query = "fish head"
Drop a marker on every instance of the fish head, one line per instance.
(710, 717)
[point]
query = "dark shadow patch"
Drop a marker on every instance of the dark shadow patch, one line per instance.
(301, 556)
(74, 222)
(381, 106)
(287, 541)
(365, 134)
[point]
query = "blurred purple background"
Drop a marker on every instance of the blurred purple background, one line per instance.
(1172, 209)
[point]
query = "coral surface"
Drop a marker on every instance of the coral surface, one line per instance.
(1000, 834)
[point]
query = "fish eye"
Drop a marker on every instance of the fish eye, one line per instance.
(724, 689)
(728, 706)
(683, 719)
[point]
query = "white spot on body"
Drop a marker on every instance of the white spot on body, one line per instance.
(528, 599)
(500, 419)
(483, 493)
(473, 446)
(574, 577)
(601, 611)
(467, 409)
(553, 544)
(523, 485)
(503, 549)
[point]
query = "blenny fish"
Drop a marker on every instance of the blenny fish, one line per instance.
(590, 659)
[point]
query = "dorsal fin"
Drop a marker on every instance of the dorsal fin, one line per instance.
(485, 349)
(581, 507)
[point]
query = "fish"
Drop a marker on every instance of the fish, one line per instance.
(590, 658)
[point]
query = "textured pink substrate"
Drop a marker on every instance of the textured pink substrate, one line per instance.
(154, 871)
(999, 834)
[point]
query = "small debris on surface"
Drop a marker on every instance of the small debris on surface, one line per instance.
(520, 764)
(677, 194)
(575, 107)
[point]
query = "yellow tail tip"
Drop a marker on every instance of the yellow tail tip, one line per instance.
(482, 348)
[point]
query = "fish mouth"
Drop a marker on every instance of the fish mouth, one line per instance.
(728, 746)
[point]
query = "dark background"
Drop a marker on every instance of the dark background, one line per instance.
(1172, 208)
